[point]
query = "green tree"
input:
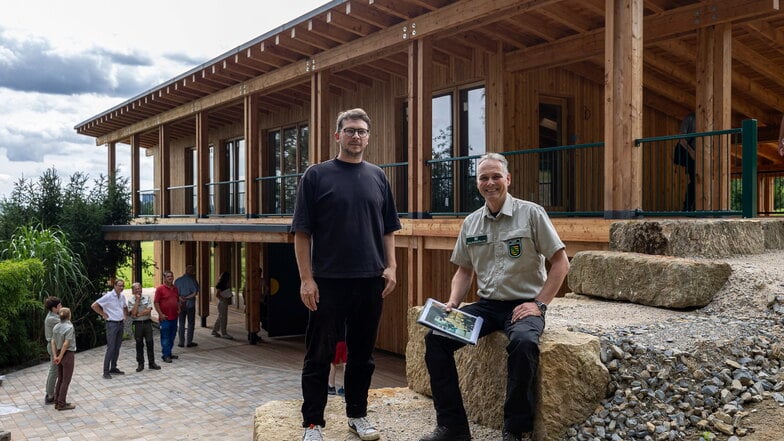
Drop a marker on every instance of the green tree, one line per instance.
(78, 211)
(17, 306)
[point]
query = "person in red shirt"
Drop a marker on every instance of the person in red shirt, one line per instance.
(167, 304)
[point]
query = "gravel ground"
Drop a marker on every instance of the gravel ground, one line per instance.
(695, 354)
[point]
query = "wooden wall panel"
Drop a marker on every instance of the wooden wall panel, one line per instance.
(393, 334)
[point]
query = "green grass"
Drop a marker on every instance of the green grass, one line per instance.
(125, 272)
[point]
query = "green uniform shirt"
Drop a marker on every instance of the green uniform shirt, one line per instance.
(508, 251)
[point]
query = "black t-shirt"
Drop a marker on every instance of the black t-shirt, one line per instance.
(347, 209)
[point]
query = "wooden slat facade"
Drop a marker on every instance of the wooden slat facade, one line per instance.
(632, 71)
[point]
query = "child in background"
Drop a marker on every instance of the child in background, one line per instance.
(341, 355)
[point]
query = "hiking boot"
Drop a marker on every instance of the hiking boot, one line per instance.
(363, 428)
(66, 406)
(312, 433)
(443, 433)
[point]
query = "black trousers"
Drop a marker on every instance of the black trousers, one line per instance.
(522, 364)
(358, 303)
(188, 314)
(142, 333)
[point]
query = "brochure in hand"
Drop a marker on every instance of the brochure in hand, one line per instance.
(454, 324)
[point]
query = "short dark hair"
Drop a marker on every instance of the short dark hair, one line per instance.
(352, 114)
(51, 302)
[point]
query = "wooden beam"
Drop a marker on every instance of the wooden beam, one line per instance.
(400, 9)
(757, 62)
(360, 11)
(766, 31)
(465, 13)
(312, 39)
(135, 201)
(356, 27)
(658, 27)
(203, 164)
(333, 33)
(252, 154)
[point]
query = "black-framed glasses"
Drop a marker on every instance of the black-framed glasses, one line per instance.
(362, 133)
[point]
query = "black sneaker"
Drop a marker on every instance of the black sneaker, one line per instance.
(116, 371)
(107, 376)
(443, 433)
(154, 366)
(192, 345)
(180, 345)
(140, 367)
(167, 359)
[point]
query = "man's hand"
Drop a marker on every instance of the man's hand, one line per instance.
(162, 317)
(524, 310)
(390, 281)
(309, 293)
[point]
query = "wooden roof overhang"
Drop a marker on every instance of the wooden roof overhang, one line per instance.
(360, 41)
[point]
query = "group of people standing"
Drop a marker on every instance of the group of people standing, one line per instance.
(174, 301)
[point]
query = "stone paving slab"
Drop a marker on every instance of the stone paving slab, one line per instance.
(209, 393)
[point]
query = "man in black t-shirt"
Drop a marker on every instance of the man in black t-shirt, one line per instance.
(344, 223)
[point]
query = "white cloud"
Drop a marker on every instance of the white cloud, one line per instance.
(64, 62)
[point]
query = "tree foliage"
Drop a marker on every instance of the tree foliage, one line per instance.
(48, 216)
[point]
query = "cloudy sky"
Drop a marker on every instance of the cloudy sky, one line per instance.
(62, 62)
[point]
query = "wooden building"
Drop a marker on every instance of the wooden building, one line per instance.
(443, 81)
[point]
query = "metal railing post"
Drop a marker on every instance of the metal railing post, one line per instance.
(749, 160)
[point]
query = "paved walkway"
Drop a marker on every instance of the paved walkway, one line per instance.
(209, 393)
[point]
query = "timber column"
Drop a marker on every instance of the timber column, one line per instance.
(420, 149)
(623, 46)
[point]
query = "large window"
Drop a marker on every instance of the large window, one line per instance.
(191, 175)
(458, 130)
(227, 189)
(288, 159)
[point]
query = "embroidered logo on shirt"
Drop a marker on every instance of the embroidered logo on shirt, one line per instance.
(515, 247)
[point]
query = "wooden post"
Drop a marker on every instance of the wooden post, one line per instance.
(203, 276)
(135, 200)
(112, 159)
(321, 120)
(623, 108)
(203, 167)
(252, 147)
(252, 289)
(714, 112)
(164, 163)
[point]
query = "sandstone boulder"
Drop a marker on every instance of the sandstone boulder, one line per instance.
(572, 379)
(697, 237)
(660, 281)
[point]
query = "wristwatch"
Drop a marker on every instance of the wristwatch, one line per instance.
(542, 307)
